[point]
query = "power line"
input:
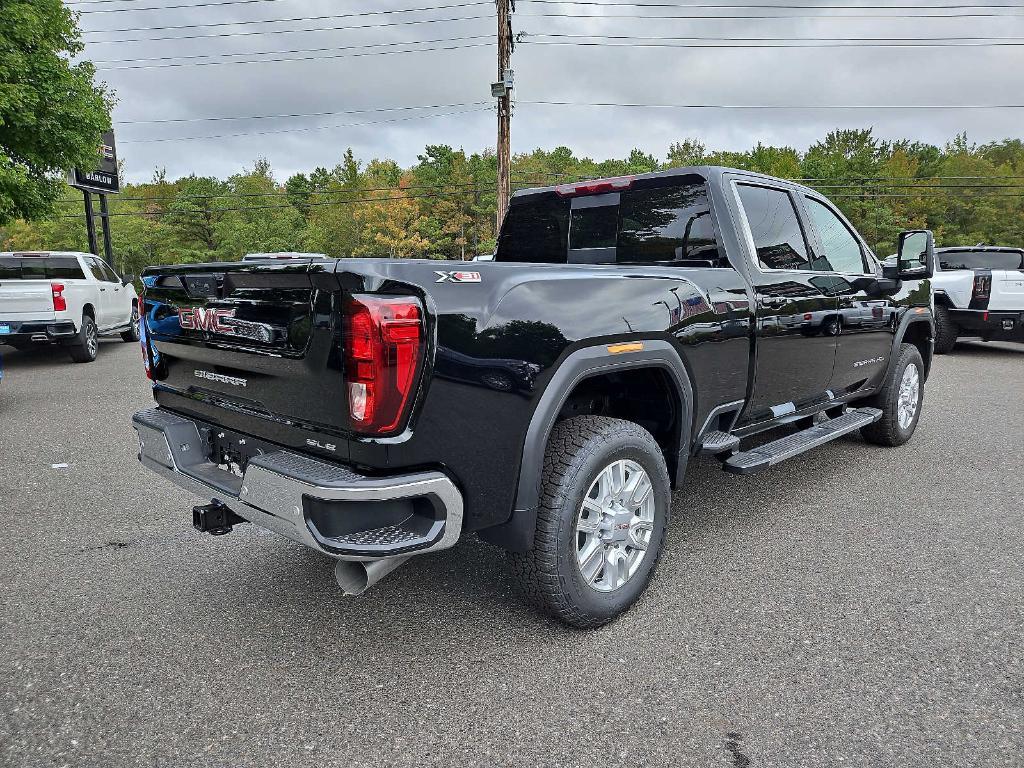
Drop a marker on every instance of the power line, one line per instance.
(225, 118)
(771, 106)
(723, 45)
(298, 114)
(525, 37)
(522, 180)
(307, 58)
(903, 178)
(369, 200)
(354, 14)
(301, 130)
(283, 207)
(187, 59)
(280, 193)
(775, 6)
(342, 28)
(759, 17)
(164, 7)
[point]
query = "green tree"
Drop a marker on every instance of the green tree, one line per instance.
(51, 113)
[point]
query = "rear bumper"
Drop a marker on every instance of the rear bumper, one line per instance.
(991, 324)
(36, 330)
(327, 507)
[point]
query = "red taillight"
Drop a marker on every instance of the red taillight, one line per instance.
(595, 187)
(59, 303)
(144, 340)
(982, 286)
(383, 346)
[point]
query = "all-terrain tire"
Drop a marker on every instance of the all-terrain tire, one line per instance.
(946, 331)
(86, 344)
(549, 576)
(890, 430)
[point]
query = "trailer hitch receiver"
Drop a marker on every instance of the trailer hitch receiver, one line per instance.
(214, 518)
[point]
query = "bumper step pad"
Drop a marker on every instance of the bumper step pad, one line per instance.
(770, 454)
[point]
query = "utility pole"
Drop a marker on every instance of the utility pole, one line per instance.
(90, 223)
(108, 250)
(503, 91)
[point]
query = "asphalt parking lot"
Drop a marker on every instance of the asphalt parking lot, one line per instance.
(859, 606)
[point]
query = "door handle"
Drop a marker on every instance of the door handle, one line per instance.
(771, 301)
(103, 289)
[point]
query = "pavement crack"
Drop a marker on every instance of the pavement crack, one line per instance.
(111, 544)
(732, 746)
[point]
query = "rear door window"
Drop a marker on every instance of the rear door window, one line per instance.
(654, 225)
(775, 228)
(40, 268)
(968, 259)
(65, 268)
(535, 231)
(667, 224)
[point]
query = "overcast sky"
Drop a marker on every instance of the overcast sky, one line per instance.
(582, 74)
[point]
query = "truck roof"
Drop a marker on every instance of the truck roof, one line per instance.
(40, 254)
(995, 248)
(709, 172)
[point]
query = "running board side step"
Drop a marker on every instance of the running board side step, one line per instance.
(715, 443)
(770, 454)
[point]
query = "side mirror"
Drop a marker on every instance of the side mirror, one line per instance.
(127, 280)
(915, 256)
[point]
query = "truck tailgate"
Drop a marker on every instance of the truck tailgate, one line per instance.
(1007, 290)
(26, 299)
(240, 336)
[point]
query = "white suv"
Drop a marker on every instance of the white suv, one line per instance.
(979, 291)
(67, 298)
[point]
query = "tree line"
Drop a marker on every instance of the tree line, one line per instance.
(444, 206)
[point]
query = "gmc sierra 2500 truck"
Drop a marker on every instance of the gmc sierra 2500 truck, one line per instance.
(547, 400)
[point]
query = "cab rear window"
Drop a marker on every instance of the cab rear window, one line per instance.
(968, 259)
(40, 268)
(664, 224)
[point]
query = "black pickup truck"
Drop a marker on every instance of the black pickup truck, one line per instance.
(548, 399)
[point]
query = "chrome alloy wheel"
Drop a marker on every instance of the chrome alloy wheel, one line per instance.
(92, 340)
(910, 395)
(614, 525)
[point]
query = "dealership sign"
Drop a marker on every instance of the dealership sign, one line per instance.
(104, 177)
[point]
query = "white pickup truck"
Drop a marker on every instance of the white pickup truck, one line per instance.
(979, 292)
(65, 298)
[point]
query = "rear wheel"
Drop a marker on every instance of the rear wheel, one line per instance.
(132, 334)
(899, 400)
(946, 331)
(601, 522)
(86, 344)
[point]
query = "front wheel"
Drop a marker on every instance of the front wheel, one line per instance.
(132, 334)
(899, 400)
(601, 522)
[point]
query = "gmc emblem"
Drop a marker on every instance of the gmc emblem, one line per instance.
(205, 319)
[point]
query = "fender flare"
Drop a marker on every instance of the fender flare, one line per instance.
(910, 318)
(517, 533)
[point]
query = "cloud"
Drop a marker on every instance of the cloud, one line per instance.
(791, 76)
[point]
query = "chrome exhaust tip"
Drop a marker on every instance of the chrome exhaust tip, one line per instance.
(356, 576)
